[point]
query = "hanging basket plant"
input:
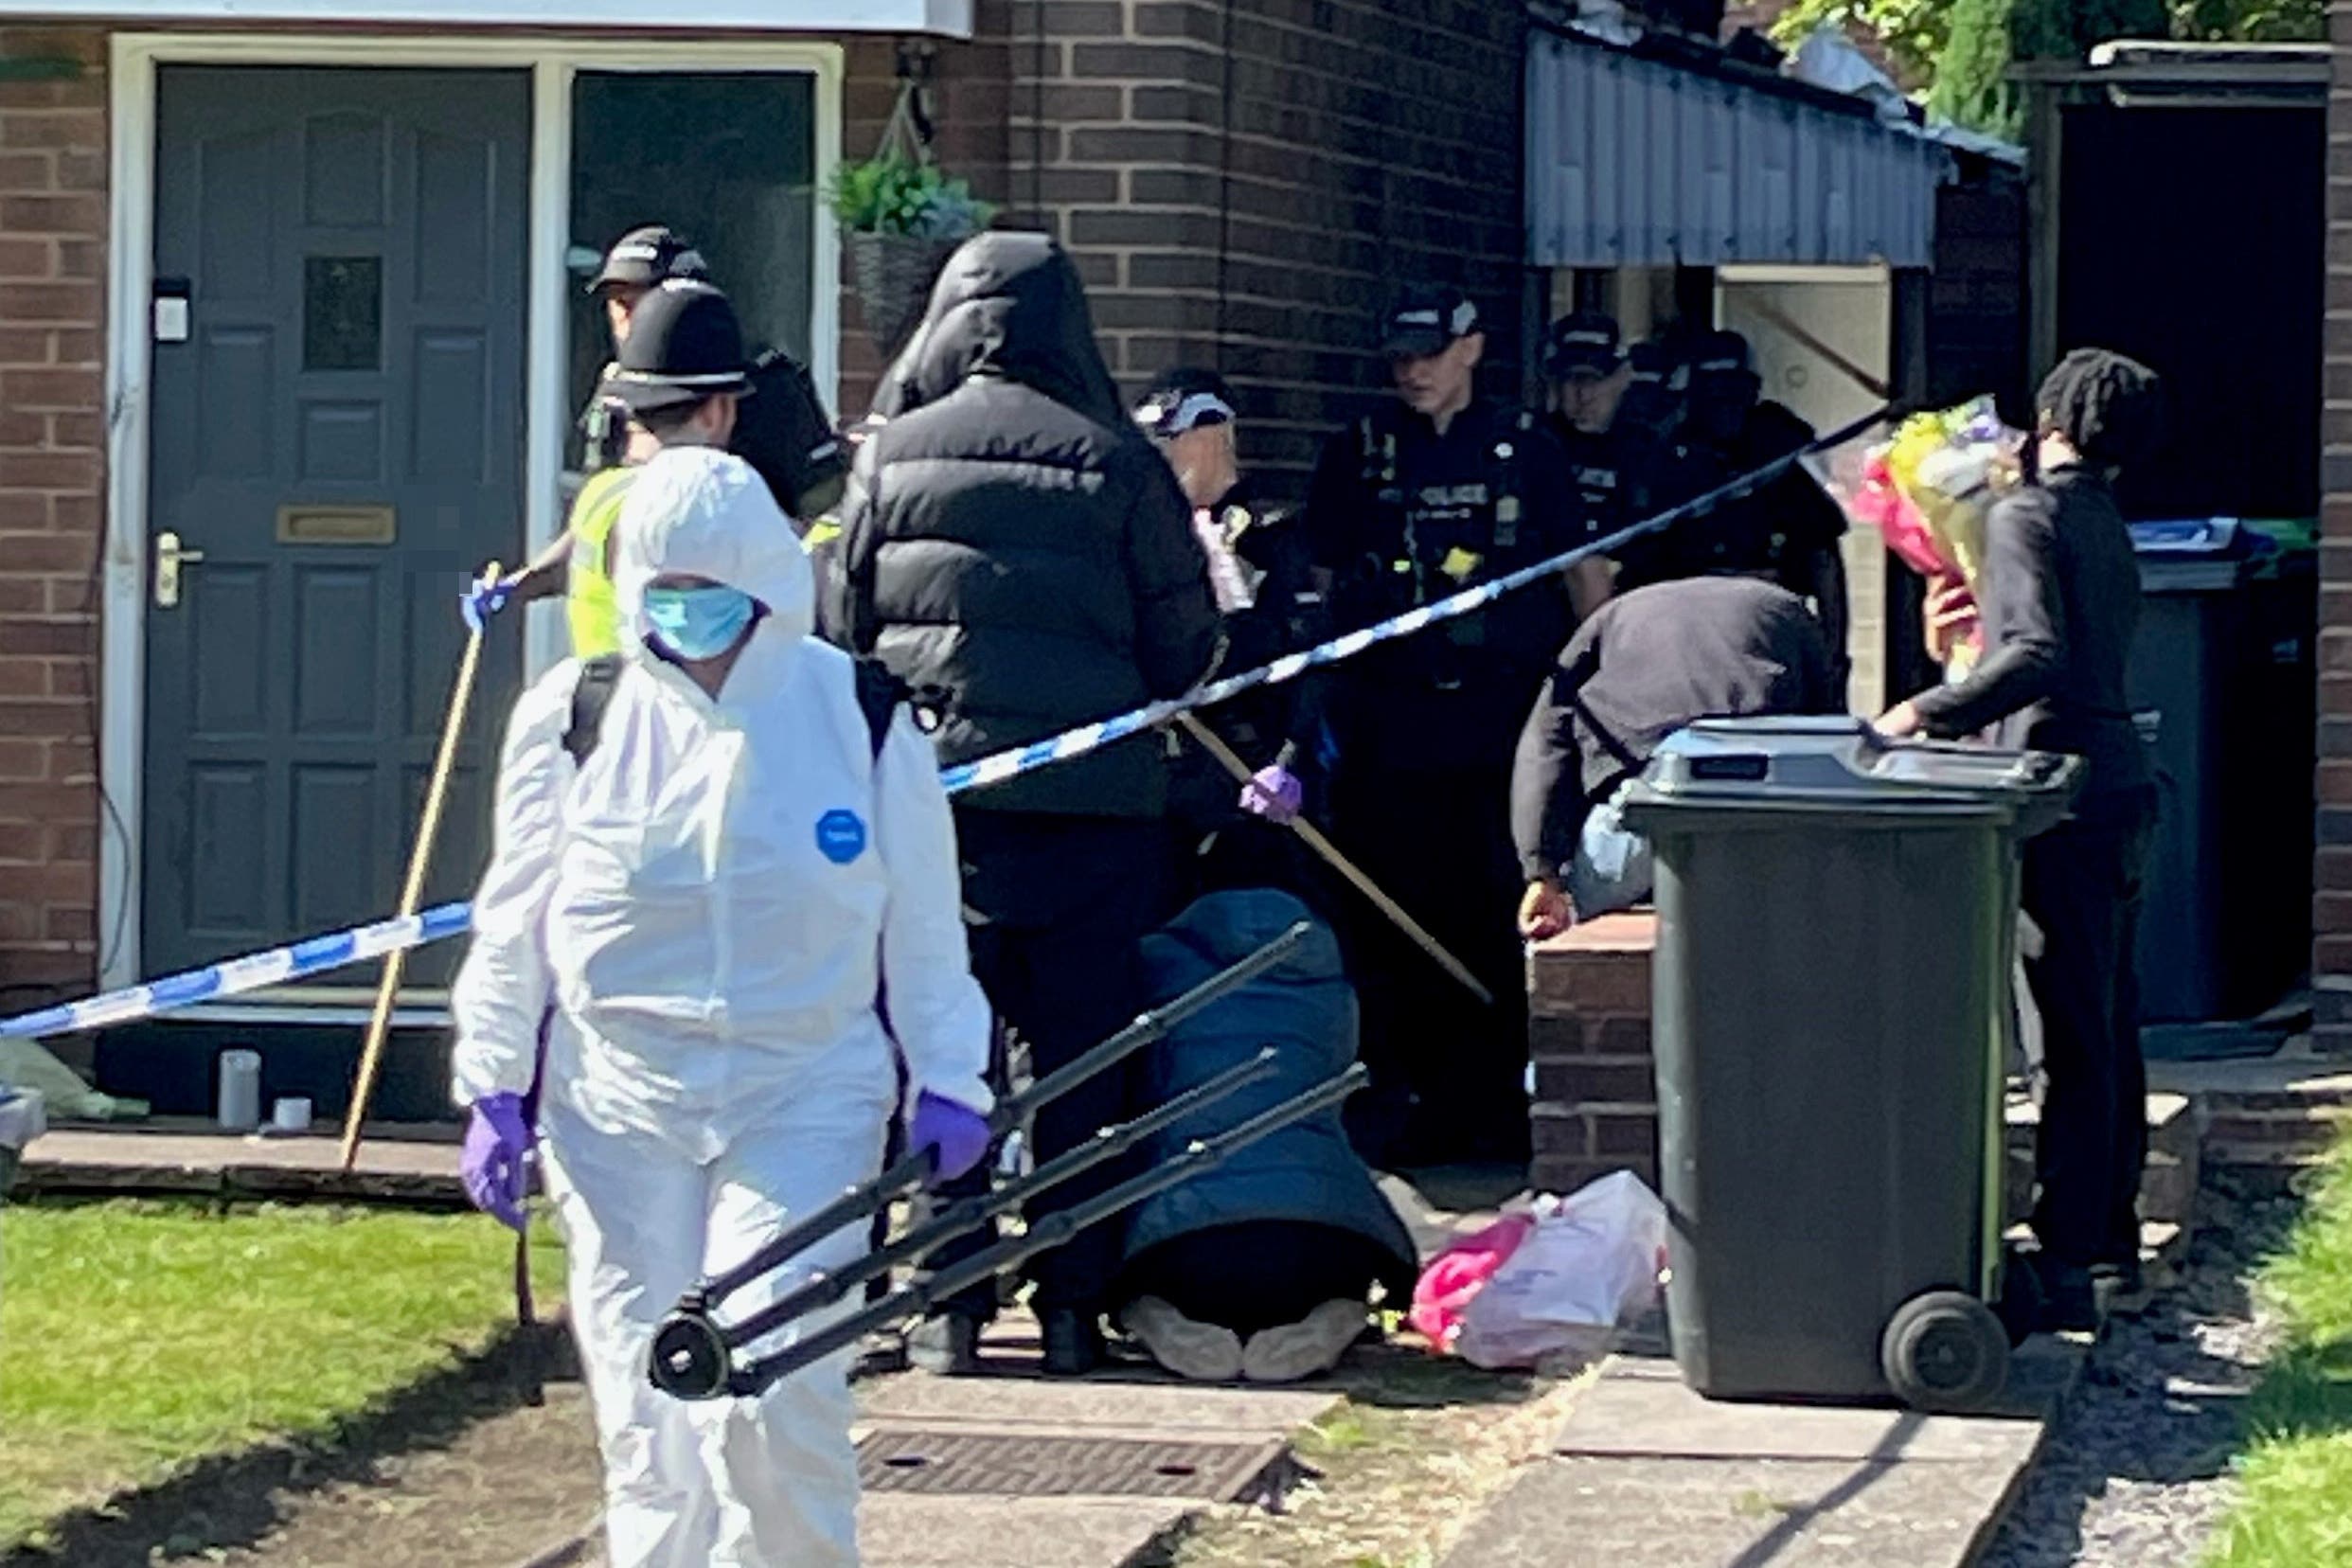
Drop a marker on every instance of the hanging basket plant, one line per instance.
(901, 217)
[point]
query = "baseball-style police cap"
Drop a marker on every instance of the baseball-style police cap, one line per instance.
(1427, 318)
(1720, 353)
(685, 344)
(1585, 344)
(648, 256)
(1655, 362)
(1184, 399)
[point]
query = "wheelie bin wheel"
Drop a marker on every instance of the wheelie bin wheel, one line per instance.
(2022, 1298)
(1945, 1352)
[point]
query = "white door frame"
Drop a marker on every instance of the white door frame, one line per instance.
(553, 63)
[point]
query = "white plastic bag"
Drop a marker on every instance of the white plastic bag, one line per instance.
(1591, 1262)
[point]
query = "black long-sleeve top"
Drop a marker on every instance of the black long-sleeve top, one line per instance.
(1647, 664)
(2061, 602)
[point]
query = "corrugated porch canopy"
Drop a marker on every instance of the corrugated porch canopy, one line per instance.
(1632, 163)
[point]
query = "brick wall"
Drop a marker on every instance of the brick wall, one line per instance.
(2331, 911)
(1241, 184)
(52, 267)
(1596, 1098)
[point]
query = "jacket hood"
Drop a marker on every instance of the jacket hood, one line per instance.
(1008, 305)
(703, 512)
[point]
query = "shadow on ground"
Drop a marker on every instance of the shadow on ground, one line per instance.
(237, 1499)
(2136, 1472)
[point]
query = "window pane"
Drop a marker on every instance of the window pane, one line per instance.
(726, 158)
(342, 313)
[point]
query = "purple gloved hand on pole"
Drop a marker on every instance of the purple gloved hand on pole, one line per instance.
(957, 1135)
(498, 1141)
(1275, 792)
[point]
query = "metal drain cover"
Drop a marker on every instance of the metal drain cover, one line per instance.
(1004, 1464)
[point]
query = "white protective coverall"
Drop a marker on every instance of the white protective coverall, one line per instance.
(709, 904)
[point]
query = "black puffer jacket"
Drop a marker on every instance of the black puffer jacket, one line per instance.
(1012, 547)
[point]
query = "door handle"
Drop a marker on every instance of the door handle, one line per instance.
(170, 556)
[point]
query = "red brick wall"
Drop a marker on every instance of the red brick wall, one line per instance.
(2331, 911)
(52, 442)
(1243, 184)
(1596, 1098)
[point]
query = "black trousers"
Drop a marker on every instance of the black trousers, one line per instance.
(1451, 1069)
(1059, 907)
(2082, 887)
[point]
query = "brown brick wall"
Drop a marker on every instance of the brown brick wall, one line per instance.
(1596, 1098)
(52, 444)
(2332, 913)
(1240, 183)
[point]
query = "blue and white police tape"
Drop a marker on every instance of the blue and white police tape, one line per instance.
(1090, 738)
(278, 967)
(281, 966)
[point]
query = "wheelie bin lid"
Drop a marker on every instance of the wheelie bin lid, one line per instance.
(1843, 765)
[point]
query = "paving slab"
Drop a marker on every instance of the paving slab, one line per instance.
(1640, 1408)
(1108, 1406)
(1010, 1532)
(1702, 1513)
(409, 1165)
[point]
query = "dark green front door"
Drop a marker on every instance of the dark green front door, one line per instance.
(338, 434)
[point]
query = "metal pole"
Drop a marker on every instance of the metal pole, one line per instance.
(860, 1202)
(1203, 1156)
(824, 1290)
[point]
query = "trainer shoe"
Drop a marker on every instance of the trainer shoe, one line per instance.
(1302, 1349)
(946, 1345)
(1204, 1353)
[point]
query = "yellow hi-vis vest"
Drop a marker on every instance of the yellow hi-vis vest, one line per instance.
(590, 603)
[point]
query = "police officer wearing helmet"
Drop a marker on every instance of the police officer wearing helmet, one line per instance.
(787, 436)
(1436, 491)
(784, 435)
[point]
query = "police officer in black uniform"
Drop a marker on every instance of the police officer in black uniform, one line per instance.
(1787, 531)
(1434, 493)
(1653, 401)
(1619, 462)
(784, 432)
(1270, 604)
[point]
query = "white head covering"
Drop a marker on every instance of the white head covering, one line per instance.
(702, 512)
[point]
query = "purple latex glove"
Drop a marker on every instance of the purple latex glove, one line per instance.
(483, 599)
(957, 1135)
(1274, 793)
(498, 1141)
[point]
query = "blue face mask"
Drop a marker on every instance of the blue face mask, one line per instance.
(698, 623)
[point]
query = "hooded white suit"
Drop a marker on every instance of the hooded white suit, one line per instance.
(709, 906)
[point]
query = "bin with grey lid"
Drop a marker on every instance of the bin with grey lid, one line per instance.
(1837, 928)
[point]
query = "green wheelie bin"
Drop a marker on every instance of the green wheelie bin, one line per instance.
(1837, 932)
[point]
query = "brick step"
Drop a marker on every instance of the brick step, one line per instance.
(2175, 1159)
(2273, 1130)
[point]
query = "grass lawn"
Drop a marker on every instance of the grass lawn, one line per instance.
(2297, 1508)
(137, 1337)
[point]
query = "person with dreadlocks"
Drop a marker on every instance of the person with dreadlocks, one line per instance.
(2061, 601)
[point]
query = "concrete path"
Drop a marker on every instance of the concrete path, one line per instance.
(1647, 1474)
(1013, 1470)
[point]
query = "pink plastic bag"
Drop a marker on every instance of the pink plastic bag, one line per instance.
(1460, 1273)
